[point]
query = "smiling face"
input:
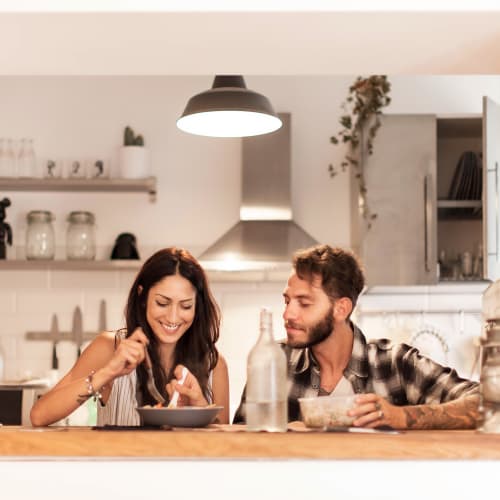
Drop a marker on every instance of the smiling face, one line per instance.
(308, 312)
(170, 308)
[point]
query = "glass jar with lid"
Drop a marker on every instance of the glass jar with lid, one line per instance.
(80, 238)
(40, 239)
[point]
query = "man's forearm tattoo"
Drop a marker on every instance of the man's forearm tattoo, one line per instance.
(460, 414)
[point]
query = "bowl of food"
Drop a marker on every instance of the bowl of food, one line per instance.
(327, 411)
(182, 416)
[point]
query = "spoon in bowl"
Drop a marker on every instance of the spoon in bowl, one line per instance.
(175, 395)
(150, 383)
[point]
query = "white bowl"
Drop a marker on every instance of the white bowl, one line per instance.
(183, 416)
(327, 411)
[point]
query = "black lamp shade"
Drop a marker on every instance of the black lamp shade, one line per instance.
(229, 109)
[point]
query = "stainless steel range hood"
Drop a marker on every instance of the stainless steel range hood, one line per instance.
(266, 236)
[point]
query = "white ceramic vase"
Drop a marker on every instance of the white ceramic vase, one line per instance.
(134, 162)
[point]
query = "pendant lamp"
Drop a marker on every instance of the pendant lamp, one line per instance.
(229, 109)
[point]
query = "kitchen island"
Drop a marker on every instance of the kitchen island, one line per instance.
(290, 465)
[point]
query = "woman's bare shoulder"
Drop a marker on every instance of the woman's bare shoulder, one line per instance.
(105, 343)
(221, 365)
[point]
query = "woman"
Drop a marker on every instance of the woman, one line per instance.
(172, 315)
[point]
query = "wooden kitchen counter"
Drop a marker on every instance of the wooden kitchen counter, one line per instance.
(209, 444)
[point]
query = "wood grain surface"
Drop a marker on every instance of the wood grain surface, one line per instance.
(86, 442)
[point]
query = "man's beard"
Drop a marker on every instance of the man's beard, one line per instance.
(318, 332)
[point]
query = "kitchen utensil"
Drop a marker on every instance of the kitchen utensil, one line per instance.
(381, 429)
(77, 329)
(102, 316)
(184, 416)
(151, 385)
(175, 395)
(431, 343)
(54, 335)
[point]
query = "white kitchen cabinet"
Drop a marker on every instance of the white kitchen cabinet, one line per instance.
(408, 182)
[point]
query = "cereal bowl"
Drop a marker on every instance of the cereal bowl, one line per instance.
(327, 411)
(182, 416)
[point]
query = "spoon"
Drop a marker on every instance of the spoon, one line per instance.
(150, 383)
(175, 395)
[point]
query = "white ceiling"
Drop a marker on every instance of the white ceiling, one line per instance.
(300, 43)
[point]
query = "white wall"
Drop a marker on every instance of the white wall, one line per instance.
(198, 191)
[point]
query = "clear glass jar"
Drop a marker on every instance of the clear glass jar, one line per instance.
(40, 239)
(26, 161)
(80, 238)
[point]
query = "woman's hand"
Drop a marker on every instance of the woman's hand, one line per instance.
(372, 410)
(128, 355)
(190, 393)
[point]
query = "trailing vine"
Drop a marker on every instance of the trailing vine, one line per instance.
(360, 124)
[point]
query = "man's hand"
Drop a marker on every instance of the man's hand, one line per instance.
(372, 410)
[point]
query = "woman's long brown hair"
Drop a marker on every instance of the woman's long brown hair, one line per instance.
(196, 348)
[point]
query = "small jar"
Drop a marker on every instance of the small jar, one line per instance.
(40, 239)
(466, 260)
(80, 239)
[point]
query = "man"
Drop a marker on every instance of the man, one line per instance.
(328, 354)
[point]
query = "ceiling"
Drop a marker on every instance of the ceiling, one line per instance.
(272, 43)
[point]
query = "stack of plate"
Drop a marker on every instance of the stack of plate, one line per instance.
(467, 179)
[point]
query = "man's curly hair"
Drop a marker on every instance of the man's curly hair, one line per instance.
(340, 270)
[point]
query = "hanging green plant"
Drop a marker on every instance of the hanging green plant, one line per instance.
(363, 107)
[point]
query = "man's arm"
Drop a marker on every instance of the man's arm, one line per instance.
(372, 410)
(463, 413)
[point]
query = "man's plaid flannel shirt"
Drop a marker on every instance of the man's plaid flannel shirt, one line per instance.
(396, 372)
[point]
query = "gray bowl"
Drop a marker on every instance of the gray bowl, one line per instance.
(183, 416)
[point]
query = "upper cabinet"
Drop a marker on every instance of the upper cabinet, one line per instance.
(401, 189)
(491, 133)
(433, 183)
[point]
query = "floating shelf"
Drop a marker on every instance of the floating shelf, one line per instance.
(459, 203)
(147, 185)
(70, 265)
(134, 265)
(460, 209)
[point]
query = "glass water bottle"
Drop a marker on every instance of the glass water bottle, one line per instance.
(266, 392)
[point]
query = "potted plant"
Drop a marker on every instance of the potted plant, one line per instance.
(133, 157)
(360, 123)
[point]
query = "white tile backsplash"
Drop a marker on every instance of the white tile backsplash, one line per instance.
(84, 279)
(126, 279)
(47, 301)
(387, 302)
(7, 302)
(23, 279)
